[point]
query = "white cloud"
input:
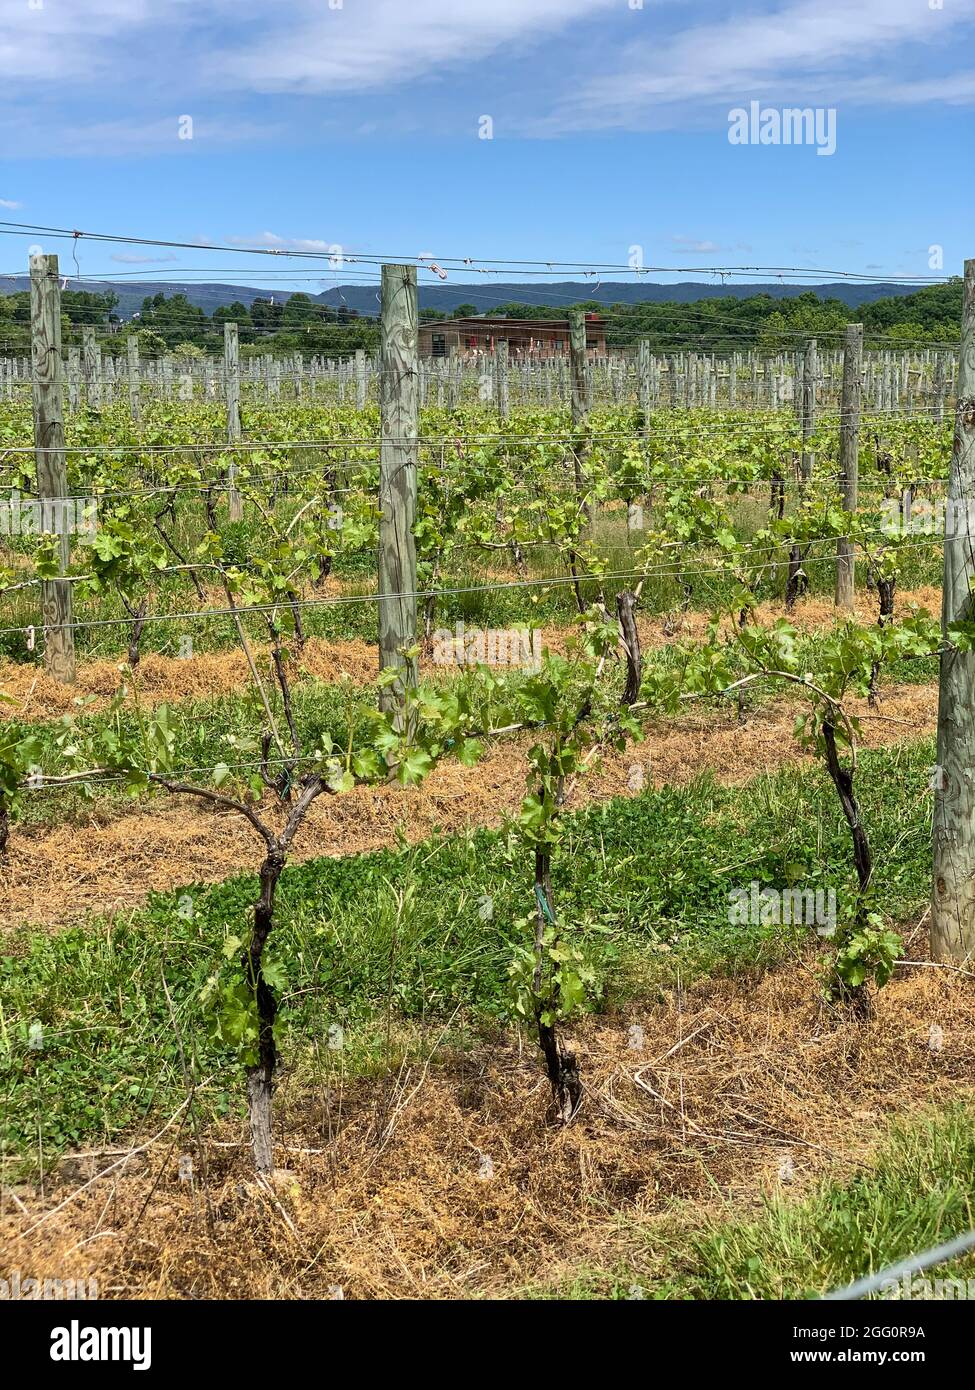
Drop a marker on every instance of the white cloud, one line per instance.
(799, 51)
(273, 242)
(60, 42)
(688, 243)
(698, 247)
(9, 204)
(375, 43)
(104, 70)
(128, 136)
(253, 47)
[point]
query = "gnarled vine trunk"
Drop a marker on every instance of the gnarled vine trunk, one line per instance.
(561, 1065)
(138, 616)
(842, 779)
(260, 1078)
(626, 611)
(885, 591)
(797, 583)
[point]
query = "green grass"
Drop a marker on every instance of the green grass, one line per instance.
(917, 1192)
(641, 884)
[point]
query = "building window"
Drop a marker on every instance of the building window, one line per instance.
(439, 345)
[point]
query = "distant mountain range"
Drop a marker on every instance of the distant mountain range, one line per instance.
(485, 294)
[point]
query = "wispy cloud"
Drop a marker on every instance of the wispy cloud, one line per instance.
(112, 76)
(272, 242)
(9, 204)
(687, 243)
(126, 136)
(698, 247)
(793, 52)
(57, 43)
(124, 259)
(375, 43)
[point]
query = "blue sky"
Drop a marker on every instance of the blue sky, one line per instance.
(318, 124)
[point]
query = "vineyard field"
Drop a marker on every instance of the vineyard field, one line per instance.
(516, 935)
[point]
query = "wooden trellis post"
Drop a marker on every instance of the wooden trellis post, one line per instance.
(399, 431)
(132, 351)
(810, 370)
(644, 380)
(579, 367)
(52, 483)
(953, 895)
(501, 399)
(231, 386)
(92, 368)
(849, 460)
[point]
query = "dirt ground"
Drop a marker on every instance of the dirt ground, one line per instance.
(446, 1181)
(36, 695)
(55, 875)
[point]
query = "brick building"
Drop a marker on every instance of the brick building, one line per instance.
(537, 338)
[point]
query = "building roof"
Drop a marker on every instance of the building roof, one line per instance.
(486, 321)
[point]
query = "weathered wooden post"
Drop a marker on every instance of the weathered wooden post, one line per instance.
(939, 388)
(454, 369)
(501, 399)
(74, 380)
(644, 380)
(91, 367)
(231, 386)
(52, 482)
(810, 370)
(132, 351)
(953, 895)
(397, 480)
(360, 379)
(579, 367)
(849, 458)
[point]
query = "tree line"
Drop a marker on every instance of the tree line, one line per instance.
(171, 323)
(768, 324)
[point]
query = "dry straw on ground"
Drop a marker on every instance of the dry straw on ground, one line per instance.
(113, 860)
(694, 1108)
(36, 695)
